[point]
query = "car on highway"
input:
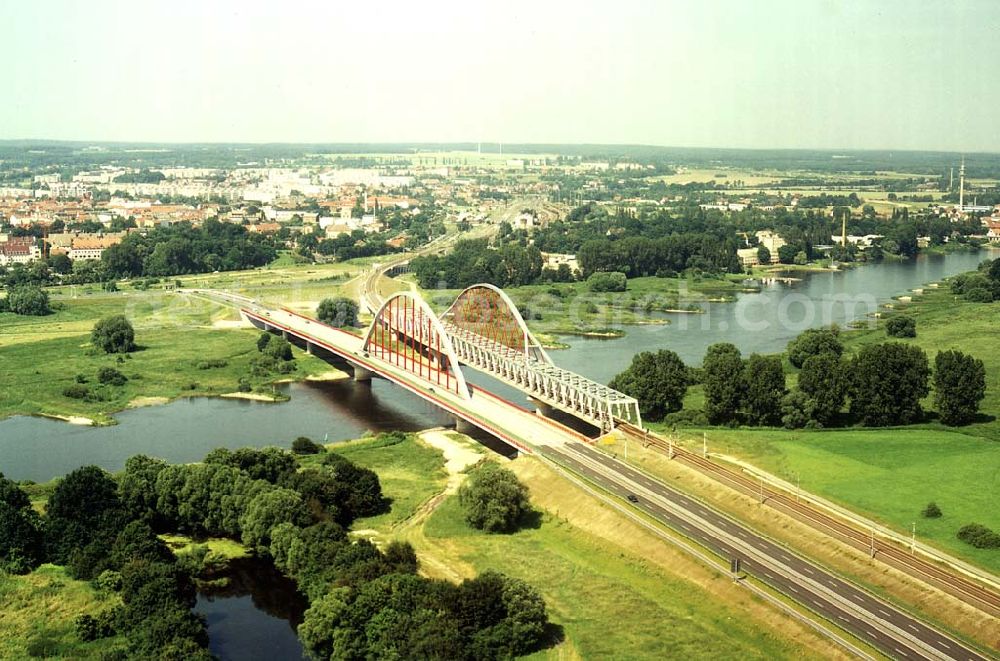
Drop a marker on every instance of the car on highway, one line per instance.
(632, 498)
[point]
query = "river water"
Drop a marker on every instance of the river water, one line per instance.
(243, 622)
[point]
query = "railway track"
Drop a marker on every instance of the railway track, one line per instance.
(959, 586)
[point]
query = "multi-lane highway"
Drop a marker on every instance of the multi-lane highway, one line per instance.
(869, 618)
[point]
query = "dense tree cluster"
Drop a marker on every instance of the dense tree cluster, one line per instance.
(366, 602)
(658, 381)
(402, 616)
(638, 256)
(339, 312)
(21, 532)
(887, 382)
(474, 261)
(181, 248)
(982, 286)
(607, 281)
(814, 342)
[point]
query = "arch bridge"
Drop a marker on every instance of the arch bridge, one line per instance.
(481, 330)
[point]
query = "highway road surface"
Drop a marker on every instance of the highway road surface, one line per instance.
(871, 619)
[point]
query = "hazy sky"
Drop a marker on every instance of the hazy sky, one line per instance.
(913, 74)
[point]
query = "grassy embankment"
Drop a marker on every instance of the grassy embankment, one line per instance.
(37, 613)
(614, 588)
(891, 474)
(176, 333)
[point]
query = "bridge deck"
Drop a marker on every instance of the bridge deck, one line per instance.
(521, 428)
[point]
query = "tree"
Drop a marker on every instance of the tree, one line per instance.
(84, 508)
(764, 380)
(801, 258)
(959, 386)
(266, 510)
(723, 381)
(658, 381)
(814, 342)
(137, 487)
(887, 383)
(113, 335)
(901, 326)
(339, 312)
(494, 499)
(823, 380)
(787, 253)
(21, 539)
(763, 255)
(28, 300)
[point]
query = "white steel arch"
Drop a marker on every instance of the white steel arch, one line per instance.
(529, 344)
(408, 313)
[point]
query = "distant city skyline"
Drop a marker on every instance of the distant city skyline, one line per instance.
(824, 74)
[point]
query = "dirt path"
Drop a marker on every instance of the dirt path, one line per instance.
(439, 558)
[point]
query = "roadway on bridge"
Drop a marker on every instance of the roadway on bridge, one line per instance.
(524, 429)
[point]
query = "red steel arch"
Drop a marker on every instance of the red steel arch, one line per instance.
(488, 312)
(405, 332)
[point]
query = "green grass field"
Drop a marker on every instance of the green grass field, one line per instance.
(43, 355)
(38, 612)
(610, 604)
(888, 475)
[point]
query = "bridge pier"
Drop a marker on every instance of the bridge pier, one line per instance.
(541, 408)
(463, 426)
(309, 347)
(362, 374)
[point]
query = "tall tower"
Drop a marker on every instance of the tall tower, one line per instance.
(961, 187)
(843, 229)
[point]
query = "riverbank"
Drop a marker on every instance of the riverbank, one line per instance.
(182, 353)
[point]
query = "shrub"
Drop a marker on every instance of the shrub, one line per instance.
(494, 499)
(979, 536)
(303, 445)
(901, 326)
(111, 376)
(28, 300)
(604, 281)
(211, 364)
(86, 627)
(932, 511)
(244, 385)
(76, 391)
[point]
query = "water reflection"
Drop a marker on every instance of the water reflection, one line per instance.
(186, 430)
